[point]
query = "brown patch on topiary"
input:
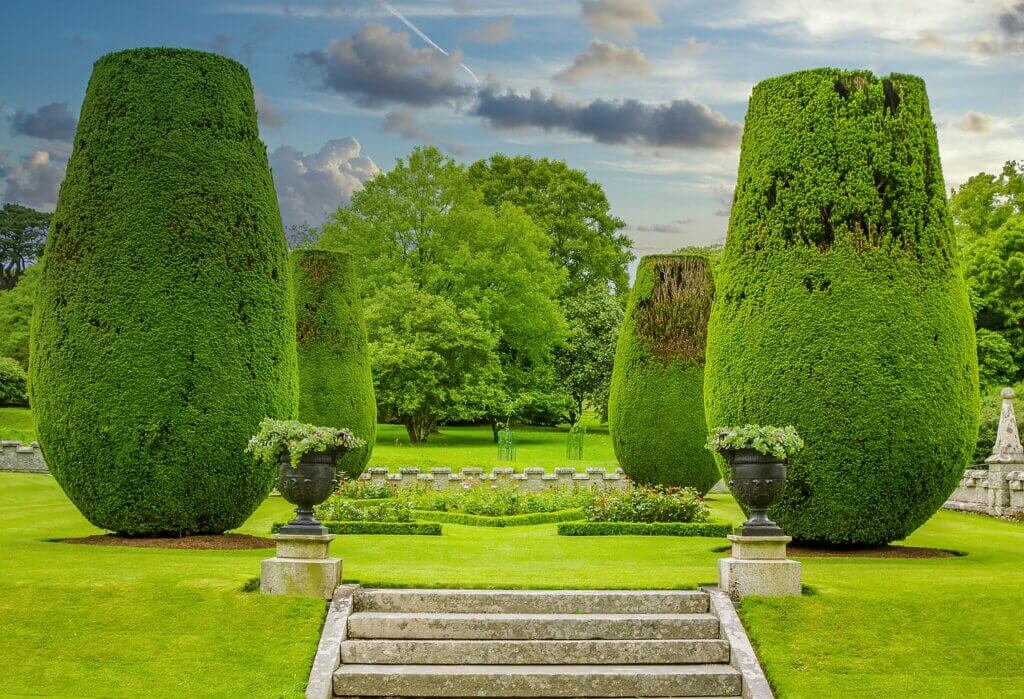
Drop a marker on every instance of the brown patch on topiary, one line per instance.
(674, 319)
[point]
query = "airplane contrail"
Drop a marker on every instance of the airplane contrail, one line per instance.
(423, 36)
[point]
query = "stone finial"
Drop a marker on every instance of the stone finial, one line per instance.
(1007, 448)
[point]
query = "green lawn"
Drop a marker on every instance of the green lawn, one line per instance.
(454, 447)
(87, 621)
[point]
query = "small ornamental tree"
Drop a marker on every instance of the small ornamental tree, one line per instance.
(163, 329)
(335, 385)
(840, 306)
(656, 403)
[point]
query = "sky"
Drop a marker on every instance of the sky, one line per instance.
(647, 96)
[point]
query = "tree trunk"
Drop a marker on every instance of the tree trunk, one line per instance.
(418, 426)
(495, 429)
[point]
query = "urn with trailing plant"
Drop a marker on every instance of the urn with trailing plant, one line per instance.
(307, 455)
(757, 460)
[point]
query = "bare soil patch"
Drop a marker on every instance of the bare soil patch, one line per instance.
(888, 551)
(208, 542)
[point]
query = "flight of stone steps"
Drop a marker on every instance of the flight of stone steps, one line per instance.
(534, 643)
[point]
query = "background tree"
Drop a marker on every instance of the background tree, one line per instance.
(584, 363)
(22, 237)
(988, 213)
(16, 316)
(571, 209)
(424, 224)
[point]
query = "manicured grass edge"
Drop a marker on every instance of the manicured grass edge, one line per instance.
(715, 529)
(507, 521)
(358, 527)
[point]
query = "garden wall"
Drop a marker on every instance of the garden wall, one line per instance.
(532, 479)
(995, 492)
(15, 456)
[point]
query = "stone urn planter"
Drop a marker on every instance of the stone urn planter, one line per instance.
(757, 480)
(306, 485)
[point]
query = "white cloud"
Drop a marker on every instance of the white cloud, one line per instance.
(311, 187)
(975, 122)
(34, 181)
(604, 59)
(620, 17)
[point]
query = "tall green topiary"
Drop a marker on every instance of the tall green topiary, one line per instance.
(841, 308)
(656, 404)
(163, 328)
(335, 385)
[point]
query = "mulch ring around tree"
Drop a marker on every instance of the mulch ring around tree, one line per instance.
(207, 542)
(887, 551)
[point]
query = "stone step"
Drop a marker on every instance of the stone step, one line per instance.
(537, 627)
(591, 652)
(537, 681)
(533, 601)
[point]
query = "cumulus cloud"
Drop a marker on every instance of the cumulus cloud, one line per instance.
(51, 121)
(619, 17)
(975, 122)
(266, 112)
(678, 226)
(604, 59)
(497, 32)
(34, 181)
(679, 124)
(311, 187)
(377, 67)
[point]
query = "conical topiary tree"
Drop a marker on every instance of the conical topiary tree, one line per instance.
(335, 384)
(163, 328)
(841, 308)
(656, 401)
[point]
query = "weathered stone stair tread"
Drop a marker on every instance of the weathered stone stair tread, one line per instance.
(495, 652)
(537, 680)
(533, 601)
(426, 625)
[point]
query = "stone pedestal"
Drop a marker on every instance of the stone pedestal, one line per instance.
(758, 566)
(302, 566)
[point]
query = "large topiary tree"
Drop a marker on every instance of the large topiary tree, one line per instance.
(841, 308)
(163, 328)
(656, 404)
(335, 385)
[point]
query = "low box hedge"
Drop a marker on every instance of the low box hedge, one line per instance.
(363, 527)
(507, 521)
(714, 529)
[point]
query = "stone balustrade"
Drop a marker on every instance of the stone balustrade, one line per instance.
(25, 458)
(531, 479)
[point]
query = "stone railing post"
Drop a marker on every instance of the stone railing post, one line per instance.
(1007, 456)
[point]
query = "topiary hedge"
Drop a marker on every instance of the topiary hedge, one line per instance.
(656, 401)
(335, 384)
(163, 328)
(841, 308)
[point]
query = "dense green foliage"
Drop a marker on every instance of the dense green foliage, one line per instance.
(710, 529)
(335, 385)
(840, 307)
(22, 236)
(13, 383)
(585, 238)
(426, 243)
(584, 363)
(647, 505)
(483, 499)
(522, 520)
(16, 315)
(164, 329)
(370, 528)
(656, 403)
(339, 509)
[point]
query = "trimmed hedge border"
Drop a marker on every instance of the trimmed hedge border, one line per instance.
(508, 521)
(360, 527)
(713, 529)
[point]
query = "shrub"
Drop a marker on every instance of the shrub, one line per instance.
(164, 329)
(277, 439)
(335, 386)
(13, 383)
(840, 307)
(657, 504)
(387, 528)
(505, 521)
(656, 402)
(337, 508)
(499, 501)
(715, 529)
(366, 490)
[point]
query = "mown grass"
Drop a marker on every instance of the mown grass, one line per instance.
(91, 621)
(453, 447)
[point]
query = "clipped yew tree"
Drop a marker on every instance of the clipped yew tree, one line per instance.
(335, 384)
(841, 308)
(656, 401)
(163, 328)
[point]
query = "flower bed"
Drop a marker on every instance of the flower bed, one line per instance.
(499, 500)
(366, 527)
(507, 521)
(648, 505)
